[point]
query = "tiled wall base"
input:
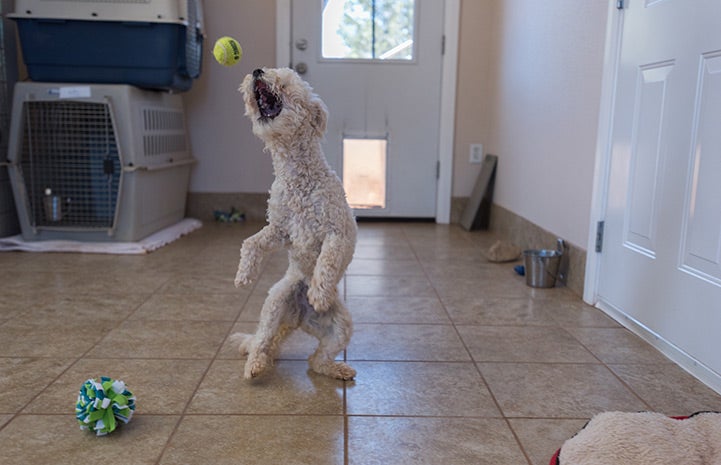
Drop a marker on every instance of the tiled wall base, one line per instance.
(503, 222)
(527, 235)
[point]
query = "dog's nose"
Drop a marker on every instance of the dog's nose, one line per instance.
(257, 73)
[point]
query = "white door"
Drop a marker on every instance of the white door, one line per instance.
(377, 65)
(661, 259)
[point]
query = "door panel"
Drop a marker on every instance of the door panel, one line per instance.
(661, 262)
(398, 101)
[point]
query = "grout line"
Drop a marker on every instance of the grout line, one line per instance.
(184, 413)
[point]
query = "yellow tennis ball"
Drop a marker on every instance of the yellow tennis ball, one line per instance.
(227, 51)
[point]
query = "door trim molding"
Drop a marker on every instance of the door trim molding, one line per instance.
(599, 199)
(451, 26)
(446, 130)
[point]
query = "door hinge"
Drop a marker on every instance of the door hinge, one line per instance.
(438, 169)
(443, 44)
(599, 236)
(620, 4)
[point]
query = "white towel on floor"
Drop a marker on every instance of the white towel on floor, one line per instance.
(143, 246)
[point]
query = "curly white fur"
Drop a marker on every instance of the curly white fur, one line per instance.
(308, 214)
(645, 438)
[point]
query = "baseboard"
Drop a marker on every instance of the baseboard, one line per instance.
(527, 235)
(201, 205)
(697, 369)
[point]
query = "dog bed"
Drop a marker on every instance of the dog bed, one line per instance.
(644, 438)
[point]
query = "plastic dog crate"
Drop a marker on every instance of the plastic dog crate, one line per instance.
(153, 44)
(97, 162)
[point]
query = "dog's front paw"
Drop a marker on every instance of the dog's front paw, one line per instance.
(242, 278)
(318, 299)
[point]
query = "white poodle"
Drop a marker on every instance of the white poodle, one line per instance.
(308, 214)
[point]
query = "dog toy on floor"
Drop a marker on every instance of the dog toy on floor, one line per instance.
(227, 51)
(230, 216)
(644, 438)
(102, 404)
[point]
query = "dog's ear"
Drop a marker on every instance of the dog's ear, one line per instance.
(319, 116)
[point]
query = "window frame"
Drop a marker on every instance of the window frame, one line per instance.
(416, 23)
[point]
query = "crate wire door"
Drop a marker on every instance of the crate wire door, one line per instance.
(70, 148)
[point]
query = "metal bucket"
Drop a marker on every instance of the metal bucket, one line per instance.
(541, 267)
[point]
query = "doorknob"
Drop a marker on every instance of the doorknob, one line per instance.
(301, 68)
(301, 44)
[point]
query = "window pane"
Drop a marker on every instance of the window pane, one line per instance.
(364, 172)
(368, 29)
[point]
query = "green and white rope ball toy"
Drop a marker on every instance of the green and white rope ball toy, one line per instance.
(101, 405)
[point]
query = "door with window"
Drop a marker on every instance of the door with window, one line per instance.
(377, 65)
(661, 260)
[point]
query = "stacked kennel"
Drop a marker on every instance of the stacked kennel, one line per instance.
(98, 146)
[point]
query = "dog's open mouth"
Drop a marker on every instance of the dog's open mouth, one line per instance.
(269, 105)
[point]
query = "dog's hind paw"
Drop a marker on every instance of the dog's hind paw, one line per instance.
(319, 300)
(337, 370)
(255, 366)
(344, 371)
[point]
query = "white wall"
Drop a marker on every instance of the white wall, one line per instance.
(529, 84)
(544, 100)
(529, 81)
(230, 157)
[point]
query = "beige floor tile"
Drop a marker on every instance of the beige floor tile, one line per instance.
(388, 286)
(198, 282)
(252, 307)
(669, 389)
(57, 440)
(231, 440)
(39, 281)
(464, 268)
(384, 267)
(163, 339)
(81, 308)
(287, 388)
(111, 280)
(419, 389)
(423, 299)
(438, 343)
(497, 311)
(51, 337)
(397, 310)
(162, 387)
(617, 345)
(431, 441)
(208, 307)
(16, 302)
(577, 313)
(557, 390)
(523, 344)
(450, 252)
(384, 250)
(21, 379)
(541, 438)
(471, 288)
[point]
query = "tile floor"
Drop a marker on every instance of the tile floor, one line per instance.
(459, 362)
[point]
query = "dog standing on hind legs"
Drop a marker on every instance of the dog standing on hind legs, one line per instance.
(307, 214)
